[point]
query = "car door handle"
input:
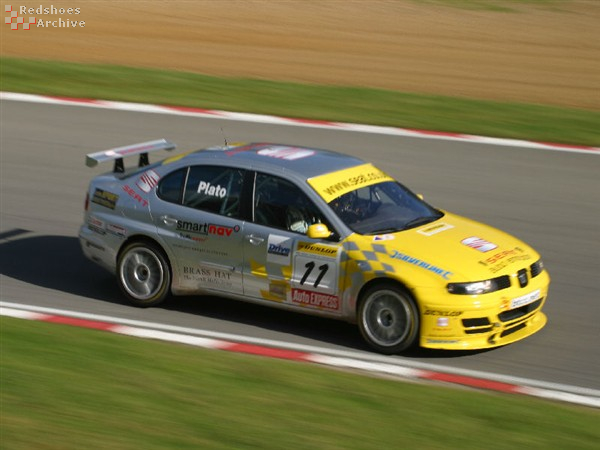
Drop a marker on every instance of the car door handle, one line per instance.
(255, 240)
(169, 221)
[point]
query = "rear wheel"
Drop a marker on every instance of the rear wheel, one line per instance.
(388, 318)
(143, 274)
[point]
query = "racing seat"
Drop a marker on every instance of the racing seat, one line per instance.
(296, 220)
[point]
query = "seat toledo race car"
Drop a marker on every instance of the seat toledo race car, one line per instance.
(312, 231)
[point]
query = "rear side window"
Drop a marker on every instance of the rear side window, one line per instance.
(170, 188)
(214, 189)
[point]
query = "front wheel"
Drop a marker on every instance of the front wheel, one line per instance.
(143, 274)
(388, 318)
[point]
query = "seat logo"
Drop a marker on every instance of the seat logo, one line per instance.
(479, 244)
(148, 180)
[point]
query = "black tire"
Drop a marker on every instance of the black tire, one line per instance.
(388, 318)
(143, 274)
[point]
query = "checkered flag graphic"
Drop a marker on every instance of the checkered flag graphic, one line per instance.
(14, 20)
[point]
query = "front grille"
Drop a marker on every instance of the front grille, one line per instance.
(522, 277)
(477, 325)
(478, 322)
(536, 268)
(513, 314)
(513, 329)
(502, 282)
(479, 330)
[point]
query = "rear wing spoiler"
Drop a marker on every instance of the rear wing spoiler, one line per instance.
(117, 154)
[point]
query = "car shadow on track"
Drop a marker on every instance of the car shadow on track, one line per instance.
(56, 262)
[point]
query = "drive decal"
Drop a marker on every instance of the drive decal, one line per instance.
(279, 249)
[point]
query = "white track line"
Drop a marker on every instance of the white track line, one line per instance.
(329, 357)
(276, 120)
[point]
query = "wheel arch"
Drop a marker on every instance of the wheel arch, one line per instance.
(149, 240)
(382, 281)
(153, 246)
(382, 325)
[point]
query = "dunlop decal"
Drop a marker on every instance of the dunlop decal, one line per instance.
(318, 249)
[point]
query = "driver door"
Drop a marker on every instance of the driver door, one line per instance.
(281, 263)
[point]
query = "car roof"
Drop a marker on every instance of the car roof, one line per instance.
(305, 162)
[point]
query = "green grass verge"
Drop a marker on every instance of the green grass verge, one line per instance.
(337, 103)
(71, 388)
(497, 5)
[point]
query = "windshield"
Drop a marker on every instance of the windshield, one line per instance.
(383, 208)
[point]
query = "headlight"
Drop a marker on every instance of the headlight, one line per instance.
(479, 287)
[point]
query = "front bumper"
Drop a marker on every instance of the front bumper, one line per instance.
(484, 321)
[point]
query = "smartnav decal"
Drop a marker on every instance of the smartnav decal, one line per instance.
(206, 228)
(42, 17)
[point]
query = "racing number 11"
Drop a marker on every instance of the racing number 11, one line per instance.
(309, 268)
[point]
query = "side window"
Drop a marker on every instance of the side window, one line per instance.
(281, 204)
(170, 188)
(214, 189)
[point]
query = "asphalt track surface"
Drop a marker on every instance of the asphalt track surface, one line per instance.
(550, 199)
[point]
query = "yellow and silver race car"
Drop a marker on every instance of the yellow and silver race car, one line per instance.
(312, 231)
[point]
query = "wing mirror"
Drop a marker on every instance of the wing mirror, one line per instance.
(318, 231)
